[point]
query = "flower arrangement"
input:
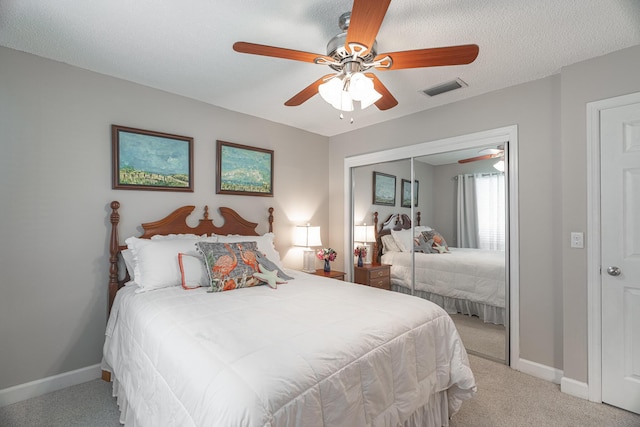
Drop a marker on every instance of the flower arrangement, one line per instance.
(327, 254)
(360, 251)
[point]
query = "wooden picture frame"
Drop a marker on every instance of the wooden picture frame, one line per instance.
(384, 189)
(243, 170)
(148, 160)
(405, 194)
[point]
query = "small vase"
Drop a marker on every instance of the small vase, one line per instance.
(327, 266)
(359, 260)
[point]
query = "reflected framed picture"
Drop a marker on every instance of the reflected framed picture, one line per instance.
(384, 189)
(243, 170)
(148, 160)
(405, 198)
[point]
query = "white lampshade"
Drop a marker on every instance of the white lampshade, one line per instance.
(307, 236)
(364, 233)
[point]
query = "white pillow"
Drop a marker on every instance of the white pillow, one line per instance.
(176, 236)
(264, 242)
(156, 261)
(404, 239)
(419, 229)
(389, 244)
(193, 271)
(127, 256)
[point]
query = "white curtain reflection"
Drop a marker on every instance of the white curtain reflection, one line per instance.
(481, 211)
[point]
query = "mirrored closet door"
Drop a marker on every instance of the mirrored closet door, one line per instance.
(444, 235)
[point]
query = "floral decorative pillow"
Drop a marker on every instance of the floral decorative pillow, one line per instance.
(435, 241)
(232, 265)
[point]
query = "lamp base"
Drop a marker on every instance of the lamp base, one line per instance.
(309, 261)
(367, 259)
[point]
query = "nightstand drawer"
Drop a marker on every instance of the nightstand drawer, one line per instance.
(376, 274)
(383, 283)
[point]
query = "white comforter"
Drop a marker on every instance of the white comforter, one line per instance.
(314, 352)
(470, 274)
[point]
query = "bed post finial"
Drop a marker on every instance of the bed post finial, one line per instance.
(206, 213)
(375, 233)
(270, 220)
(113, 252)
(418, 218)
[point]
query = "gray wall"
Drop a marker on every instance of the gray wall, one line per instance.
(401, 169)
(551, 118)
(55, 170)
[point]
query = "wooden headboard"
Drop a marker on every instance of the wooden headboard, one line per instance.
(396, 221)
(175, 223)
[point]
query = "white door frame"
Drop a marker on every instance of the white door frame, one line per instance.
(594, 279)
(499, 135)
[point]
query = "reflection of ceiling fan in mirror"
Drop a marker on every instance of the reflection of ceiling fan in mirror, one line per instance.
(486, 154)
(353, 52)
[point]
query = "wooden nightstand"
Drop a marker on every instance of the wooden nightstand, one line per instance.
(374, 275)
(333, 274)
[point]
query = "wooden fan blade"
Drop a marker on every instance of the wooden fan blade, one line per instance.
(364, 24)
(387, 101)
(434, 57)
(485, 157)
(306, 93)
(278, 52)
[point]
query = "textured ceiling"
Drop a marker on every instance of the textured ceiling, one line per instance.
(184, 47)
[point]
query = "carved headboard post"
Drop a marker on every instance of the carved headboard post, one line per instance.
(418, 218)
(377, 237)
(113, 252)
(270, 220)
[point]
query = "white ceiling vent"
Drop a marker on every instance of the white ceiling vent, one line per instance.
(445, 87)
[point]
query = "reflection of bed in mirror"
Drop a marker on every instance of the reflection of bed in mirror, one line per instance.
(461, 280)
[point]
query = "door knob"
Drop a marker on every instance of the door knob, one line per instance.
(613, 270)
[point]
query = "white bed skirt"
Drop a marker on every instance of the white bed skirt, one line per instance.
(487, 313)
(434, 414)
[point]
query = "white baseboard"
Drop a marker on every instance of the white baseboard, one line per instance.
(575, 388)
(42, 386)
(540, 371)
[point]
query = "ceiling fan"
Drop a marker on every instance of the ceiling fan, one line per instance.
(354, 52)
(486, 154)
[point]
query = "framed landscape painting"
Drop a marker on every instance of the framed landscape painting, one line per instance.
(405, 200)
(148, 160)
(384, 189)
(243, 170)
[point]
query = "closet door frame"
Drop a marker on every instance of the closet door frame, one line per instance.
(478, 139)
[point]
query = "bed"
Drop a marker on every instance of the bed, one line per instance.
(462, 280)
(309, 352)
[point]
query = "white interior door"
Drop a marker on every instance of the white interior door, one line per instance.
(620, 255)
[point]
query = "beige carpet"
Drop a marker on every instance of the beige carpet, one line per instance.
(481, 338)
(508, 398)
(505, 398)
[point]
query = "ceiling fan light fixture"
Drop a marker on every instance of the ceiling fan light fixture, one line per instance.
(342, 90)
